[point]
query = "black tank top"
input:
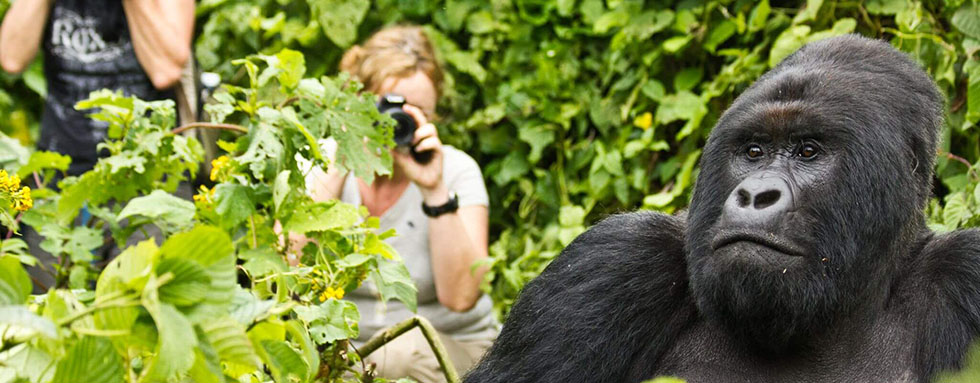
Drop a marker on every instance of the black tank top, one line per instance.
(86, 47)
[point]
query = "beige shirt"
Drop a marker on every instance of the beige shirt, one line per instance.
(462, 176)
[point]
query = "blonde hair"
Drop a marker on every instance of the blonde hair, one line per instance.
(392, 52)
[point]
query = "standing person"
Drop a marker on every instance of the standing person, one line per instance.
(137, 46)
(439, 208)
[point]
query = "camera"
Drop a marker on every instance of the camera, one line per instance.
(391, 104)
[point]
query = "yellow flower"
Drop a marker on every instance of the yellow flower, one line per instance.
(330, 292)
(9, 183)
(21, 200)
(218, 165)
(205, 195)
(643, 121)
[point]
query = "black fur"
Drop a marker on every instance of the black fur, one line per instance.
(789, 266)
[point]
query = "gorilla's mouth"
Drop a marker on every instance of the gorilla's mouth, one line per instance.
(761, 238)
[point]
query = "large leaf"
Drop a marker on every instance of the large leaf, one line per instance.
(967, 19)
(19, 318)
(92, 359)
(15, 284)
(161, 207)
(26, 362)
(331, 320)
(394, 282)
(286, 363)
(190, 281)
(340, 18)
(228, 338)
(174, 352)
(211, 248)
(323, 216)
(233, 203)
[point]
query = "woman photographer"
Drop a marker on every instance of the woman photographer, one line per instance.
(436, 202)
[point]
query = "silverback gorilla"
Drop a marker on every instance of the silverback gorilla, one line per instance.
(804, 256)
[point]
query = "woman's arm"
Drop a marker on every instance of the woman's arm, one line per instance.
(456, 240)
(21, 33)
(161, 31)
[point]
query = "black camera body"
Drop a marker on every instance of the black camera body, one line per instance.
(391, 104)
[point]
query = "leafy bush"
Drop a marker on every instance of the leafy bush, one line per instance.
(175, 311)
(610, 101)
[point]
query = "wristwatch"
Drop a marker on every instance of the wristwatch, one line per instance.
(448, 207)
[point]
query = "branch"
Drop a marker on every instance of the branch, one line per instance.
(430, 335)
(962, 160)
(209, 125)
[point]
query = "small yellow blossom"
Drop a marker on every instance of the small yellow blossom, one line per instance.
(643, 121)
(204, 195)
(9, 183)
(21, 200)
(218, 165)
(330, 292)
(20, 197)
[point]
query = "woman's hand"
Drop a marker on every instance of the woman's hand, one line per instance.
(427, 176)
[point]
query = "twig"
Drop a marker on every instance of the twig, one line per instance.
(37, 180)
(10, 233)
(209, 125)
(430, 335)
(969, 166)
(255, 239)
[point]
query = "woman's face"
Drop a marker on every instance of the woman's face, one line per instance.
(417, 89)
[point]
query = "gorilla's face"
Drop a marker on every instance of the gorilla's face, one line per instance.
(807, 190)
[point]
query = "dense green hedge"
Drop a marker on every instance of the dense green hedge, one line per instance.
(577, 109)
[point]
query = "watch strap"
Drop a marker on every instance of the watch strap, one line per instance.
(450, 206)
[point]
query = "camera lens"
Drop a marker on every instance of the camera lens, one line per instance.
(391, 104)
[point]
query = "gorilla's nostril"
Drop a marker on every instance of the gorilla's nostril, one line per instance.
(766, 199)
(743, 198)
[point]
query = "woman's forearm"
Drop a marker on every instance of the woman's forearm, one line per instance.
(21, 33)
(161, 31)
(456, 241)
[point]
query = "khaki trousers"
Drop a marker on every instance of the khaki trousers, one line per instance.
(410, 356)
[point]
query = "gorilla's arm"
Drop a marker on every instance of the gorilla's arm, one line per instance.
(604, 310)
(951, 282)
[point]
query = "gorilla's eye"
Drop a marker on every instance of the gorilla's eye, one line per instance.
(808, 151)
(754, 152)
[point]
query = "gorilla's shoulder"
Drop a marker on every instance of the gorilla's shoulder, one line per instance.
(616, 294)
(642, 237)
(947, 276)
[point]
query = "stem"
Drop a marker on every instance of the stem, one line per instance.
(969, 166)
(255, 239)
(37, 180)
(10, 232)
(209, 125)
(96, 307)
(430, 335)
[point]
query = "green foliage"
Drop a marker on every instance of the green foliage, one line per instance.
(175, 311)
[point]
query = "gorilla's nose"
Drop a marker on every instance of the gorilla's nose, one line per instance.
(760, 199)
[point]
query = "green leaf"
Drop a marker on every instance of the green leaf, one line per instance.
(20, 318)
(293, 66)
(759, 15)
(340, 18)
(26, 362)
(41, 160)
(967, 19)
(394, 282)
(687, 79)
(211, 248)
(246, 307)
(175, 341)
(956, 210)
(228, 338)
(809, 13)
(92, 359)
(841, 27)
(885, 7)
(161, 207)
(331, 320)
(788, 42)
(653, 89)
(286, 363)
(280, 188)
(571, 216)
(323, 216)
(232, 203)
(15, 284)
(189, 285)
(538, 137)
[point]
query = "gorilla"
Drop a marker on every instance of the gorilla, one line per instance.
(804, 255)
